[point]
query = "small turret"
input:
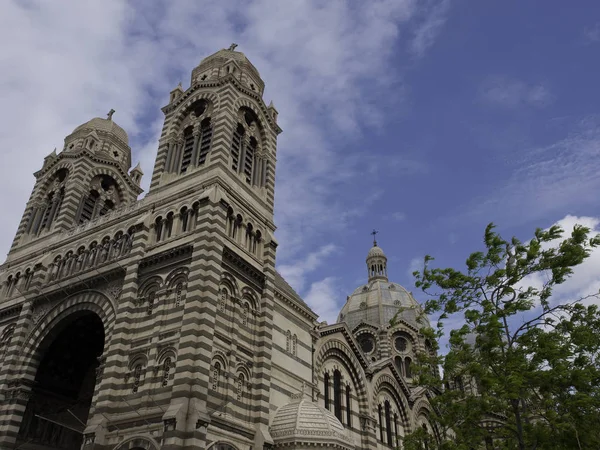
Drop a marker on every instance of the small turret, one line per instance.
(136, 174)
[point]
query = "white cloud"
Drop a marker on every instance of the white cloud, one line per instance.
(547, 181)
(591, 35)
(430, 27)
(512, 93)
(321, 297)
(296, 272)
(71, 61)
(399, 216)
(414, 265)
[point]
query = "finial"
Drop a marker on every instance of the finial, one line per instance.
(110, 114)
(374, 233)
(232, 47)
(179, 85)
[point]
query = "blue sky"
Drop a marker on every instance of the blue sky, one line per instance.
(422, 119)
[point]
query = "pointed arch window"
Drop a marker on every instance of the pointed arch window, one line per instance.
(326, 389)
(188, 149)
(337, 394)
(102, 197)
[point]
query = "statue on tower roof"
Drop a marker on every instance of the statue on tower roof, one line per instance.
(110, 114)
(232, 47)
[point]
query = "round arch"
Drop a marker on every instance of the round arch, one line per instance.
(87, 301)
(335, 349)
(222, 446)
(386, 384)
(138, 443)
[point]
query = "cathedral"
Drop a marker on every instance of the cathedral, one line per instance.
(162, 323)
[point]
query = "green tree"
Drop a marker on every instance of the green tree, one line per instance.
(523, 369)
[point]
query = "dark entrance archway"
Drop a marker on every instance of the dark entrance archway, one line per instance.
(64, 384)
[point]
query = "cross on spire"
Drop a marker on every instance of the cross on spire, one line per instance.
(374, 234)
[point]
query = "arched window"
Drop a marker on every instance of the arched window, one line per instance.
(388, 423)
(245, 313)
(326, 389)
(337, 394)
(288, 341)
(236, 146)
(399, 365)
(256, 242)
(216, 375)
(150, 298)
(223, 300)
(240, 386)
(249, 155)
(166, 371)
(205, 139)
(158, 227)
(407, 368)
(183, 216)
(137, 376)
(396, 429)
(427, 438)
(5, 341)
(380, 423)
(9, 285)
(188, 149)
(249, 236)
(89, 206)
(178, 293)
(168, 225)
(295, 345)
(348, 408)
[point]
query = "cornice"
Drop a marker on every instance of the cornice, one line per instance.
(222, 82)
(236, 261)
(94, 157)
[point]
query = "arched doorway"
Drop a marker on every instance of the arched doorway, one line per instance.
(64, 383)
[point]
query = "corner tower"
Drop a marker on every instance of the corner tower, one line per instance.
(220, 127)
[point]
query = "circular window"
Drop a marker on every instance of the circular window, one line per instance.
(401, 344)
(363, 305)
(367, 343)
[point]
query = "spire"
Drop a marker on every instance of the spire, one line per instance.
(376, 261)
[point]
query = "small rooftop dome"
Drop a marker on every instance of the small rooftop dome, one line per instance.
(304, 423)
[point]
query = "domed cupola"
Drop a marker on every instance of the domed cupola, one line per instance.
(228, 62)
(376, 262)
(102, 137)
(379, 301)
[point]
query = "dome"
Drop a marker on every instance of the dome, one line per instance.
(375, 252)
(105, 126)
(304, 422)
(377, 302)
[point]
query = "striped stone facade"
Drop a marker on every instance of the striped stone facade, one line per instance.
(203, 340)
